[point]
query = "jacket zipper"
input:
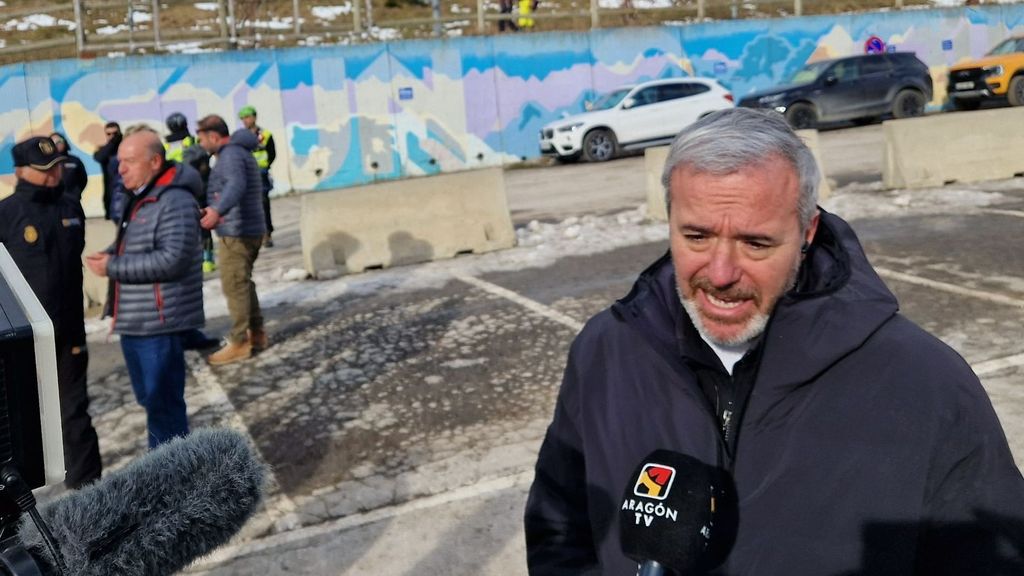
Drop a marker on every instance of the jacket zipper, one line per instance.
(120, 252)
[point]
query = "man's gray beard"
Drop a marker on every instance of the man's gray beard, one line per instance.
(755, 326)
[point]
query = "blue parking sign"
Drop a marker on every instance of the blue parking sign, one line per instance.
(947, 45)
(405, 93)
(719, 67)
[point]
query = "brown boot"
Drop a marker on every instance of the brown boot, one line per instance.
(231, 352)
(259, 340)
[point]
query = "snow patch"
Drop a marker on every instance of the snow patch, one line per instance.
(330, 12)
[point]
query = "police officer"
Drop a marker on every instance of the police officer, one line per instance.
(265, 154)
(44, 230)
(75, 178)
(183, 148)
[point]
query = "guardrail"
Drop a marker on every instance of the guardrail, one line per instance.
(103, 27)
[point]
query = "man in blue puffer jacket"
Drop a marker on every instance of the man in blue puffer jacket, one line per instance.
(235, 196)
(156, 272)
(852, 442)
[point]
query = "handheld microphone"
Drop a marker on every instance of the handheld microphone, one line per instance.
(159, 513)
(668, 514)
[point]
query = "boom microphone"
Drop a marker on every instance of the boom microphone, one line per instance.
(160, 512)
(668, 514)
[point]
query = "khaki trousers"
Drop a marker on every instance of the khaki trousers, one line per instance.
(237, 256)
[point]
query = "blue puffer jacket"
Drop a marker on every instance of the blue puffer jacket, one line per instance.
(867, 447)
(235, 188)
(156, 264)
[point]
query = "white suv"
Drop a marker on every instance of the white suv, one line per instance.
(633, 117)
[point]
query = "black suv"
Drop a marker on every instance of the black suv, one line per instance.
(859, 88)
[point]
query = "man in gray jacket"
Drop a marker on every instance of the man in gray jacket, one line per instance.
(156, 272)
(235, 211)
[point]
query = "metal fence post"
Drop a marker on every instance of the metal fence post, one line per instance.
(295, 15)
(700, 9)
(222, 20)
(435, 12)
(798, 7)
(357, 17)
(156, 24)
(79, 27)
(480, 16)
(595, 21)
(232, 26)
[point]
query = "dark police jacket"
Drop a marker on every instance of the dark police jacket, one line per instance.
(867, 446)
(44, 230)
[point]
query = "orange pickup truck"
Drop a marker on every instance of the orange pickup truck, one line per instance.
(998, 75)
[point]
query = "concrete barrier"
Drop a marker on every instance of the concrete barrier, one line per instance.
(654, 164)
(810, 138)
(404, 221)
(99, 234)
(953, 147)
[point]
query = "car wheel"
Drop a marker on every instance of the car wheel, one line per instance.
(599, 145)
(966, 104)
(801, 116)
(1016, 92)
(907, 104)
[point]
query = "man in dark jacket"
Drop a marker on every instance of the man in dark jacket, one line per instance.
(184, 148)
(765, 345)
(74, 176)
(106, 156)
(155, 266)
(44, 230)
(235, 194)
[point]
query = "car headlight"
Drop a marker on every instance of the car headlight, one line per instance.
(996, 70)
(569, 127)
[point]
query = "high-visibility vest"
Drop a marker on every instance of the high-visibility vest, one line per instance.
(260, 153)
(175, 151)
(525, 9)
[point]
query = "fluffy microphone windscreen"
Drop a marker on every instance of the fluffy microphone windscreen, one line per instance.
(159, 513)
(668, 510)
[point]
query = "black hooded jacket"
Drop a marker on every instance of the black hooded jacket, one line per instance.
(867, 446)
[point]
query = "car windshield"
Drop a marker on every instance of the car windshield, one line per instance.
(1008, 46)
(808, 73)
(610, 99)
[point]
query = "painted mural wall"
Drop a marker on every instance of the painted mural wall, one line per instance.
(348, 115)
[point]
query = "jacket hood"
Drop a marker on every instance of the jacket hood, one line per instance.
(183, 176)
(838, 302)
(245, 138)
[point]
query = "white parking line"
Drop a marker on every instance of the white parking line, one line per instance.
(546, 311)
(996, 364)
(230, 552)
(1017, 213)
(951, 288)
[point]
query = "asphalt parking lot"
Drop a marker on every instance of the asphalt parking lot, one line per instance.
(401, 409)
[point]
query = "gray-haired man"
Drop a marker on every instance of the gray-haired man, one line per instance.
(764, 344)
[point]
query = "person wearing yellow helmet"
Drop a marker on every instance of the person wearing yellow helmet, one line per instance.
(265, 154)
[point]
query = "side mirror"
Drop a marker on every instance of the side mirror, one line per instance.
(831, 81)
(628, 103)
